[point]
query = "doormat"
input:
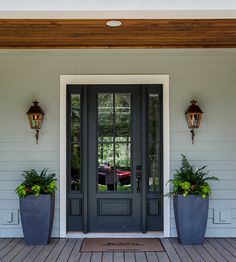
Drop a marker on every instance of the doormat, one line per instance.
(121, 244)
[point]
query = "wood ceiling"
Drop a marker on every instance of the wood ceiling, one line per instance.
(134, 33)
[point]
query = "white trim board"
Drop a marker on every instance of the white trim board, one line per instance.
(115, 14)
(114, 79)
(153, 234)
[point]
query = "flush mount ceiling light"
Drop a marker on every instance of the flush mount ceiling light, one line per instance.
(113, 23)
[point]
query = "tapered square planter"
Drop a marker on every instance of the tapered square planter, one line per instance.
(191, 213)
(37, 218)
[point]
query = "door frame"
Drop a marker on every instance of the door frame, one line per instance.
(114, 79)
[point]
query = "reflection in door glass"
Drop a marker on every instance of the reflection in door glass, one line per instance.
(75, 142)
(114, 142)
(154, 142)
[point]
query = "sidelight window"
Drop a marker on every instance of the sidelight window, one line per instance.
(75, 142)
(154, 142)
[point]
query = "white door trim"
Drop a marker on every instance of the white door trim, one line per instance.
(114, 79)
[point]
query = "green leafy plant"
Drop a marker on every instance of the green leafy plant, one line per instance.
(36, 184)
(190, 181)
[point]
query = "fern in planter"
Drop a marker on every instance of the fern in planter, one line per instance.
(37, 201)
(190, 181)
(36, 184)
(191, 202)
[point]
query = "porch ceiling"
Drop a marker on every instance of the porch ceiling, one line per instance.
(134, 33)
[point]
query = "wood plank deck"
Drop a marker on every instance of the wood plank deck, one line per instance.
(62, 250)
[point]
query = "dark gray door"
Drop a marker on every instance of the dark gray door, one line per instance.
(114, 156)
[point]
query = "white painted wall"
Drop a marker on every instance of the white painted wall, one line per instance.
(206, 75)
(49, 5)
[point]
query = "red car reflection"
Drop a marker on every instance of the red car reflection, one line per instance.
(124, 176)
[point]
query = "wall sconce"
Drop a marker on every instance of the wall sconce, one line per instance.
(193, 116)
(35, 116)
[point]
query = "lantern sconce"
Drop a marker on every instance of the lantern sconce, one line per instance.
(35, 117)
(193, 116)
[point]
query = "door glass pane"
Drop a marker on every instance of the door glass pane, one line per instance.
(122, 116)
(114, 142)
(154, 142)
(123, 165)
(105, 117)
(75, 142)
(154, 118)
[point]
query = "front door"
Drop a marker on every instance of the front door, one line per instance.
(114, 160)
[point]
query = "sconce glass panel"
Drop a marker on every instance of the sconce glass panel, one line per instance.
(194, 120)
(35, 121)
(75, 142)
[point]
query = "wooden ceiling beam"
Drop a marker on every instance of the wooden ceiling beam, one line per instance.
(134, 33)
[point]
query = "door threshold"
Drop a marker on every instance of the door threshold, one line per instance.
(152, 234)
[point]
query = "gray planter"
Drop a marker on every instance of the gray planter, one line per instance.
(191, 213)
(37, 218)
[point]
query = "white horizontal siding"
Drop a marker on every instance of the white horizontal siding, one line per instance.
(29, 156)
(205, 75)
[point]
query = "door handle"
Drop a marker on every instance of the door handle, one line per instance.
(138, 177)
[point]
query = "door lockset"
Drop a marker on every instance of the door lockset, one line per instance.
(138, 177)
